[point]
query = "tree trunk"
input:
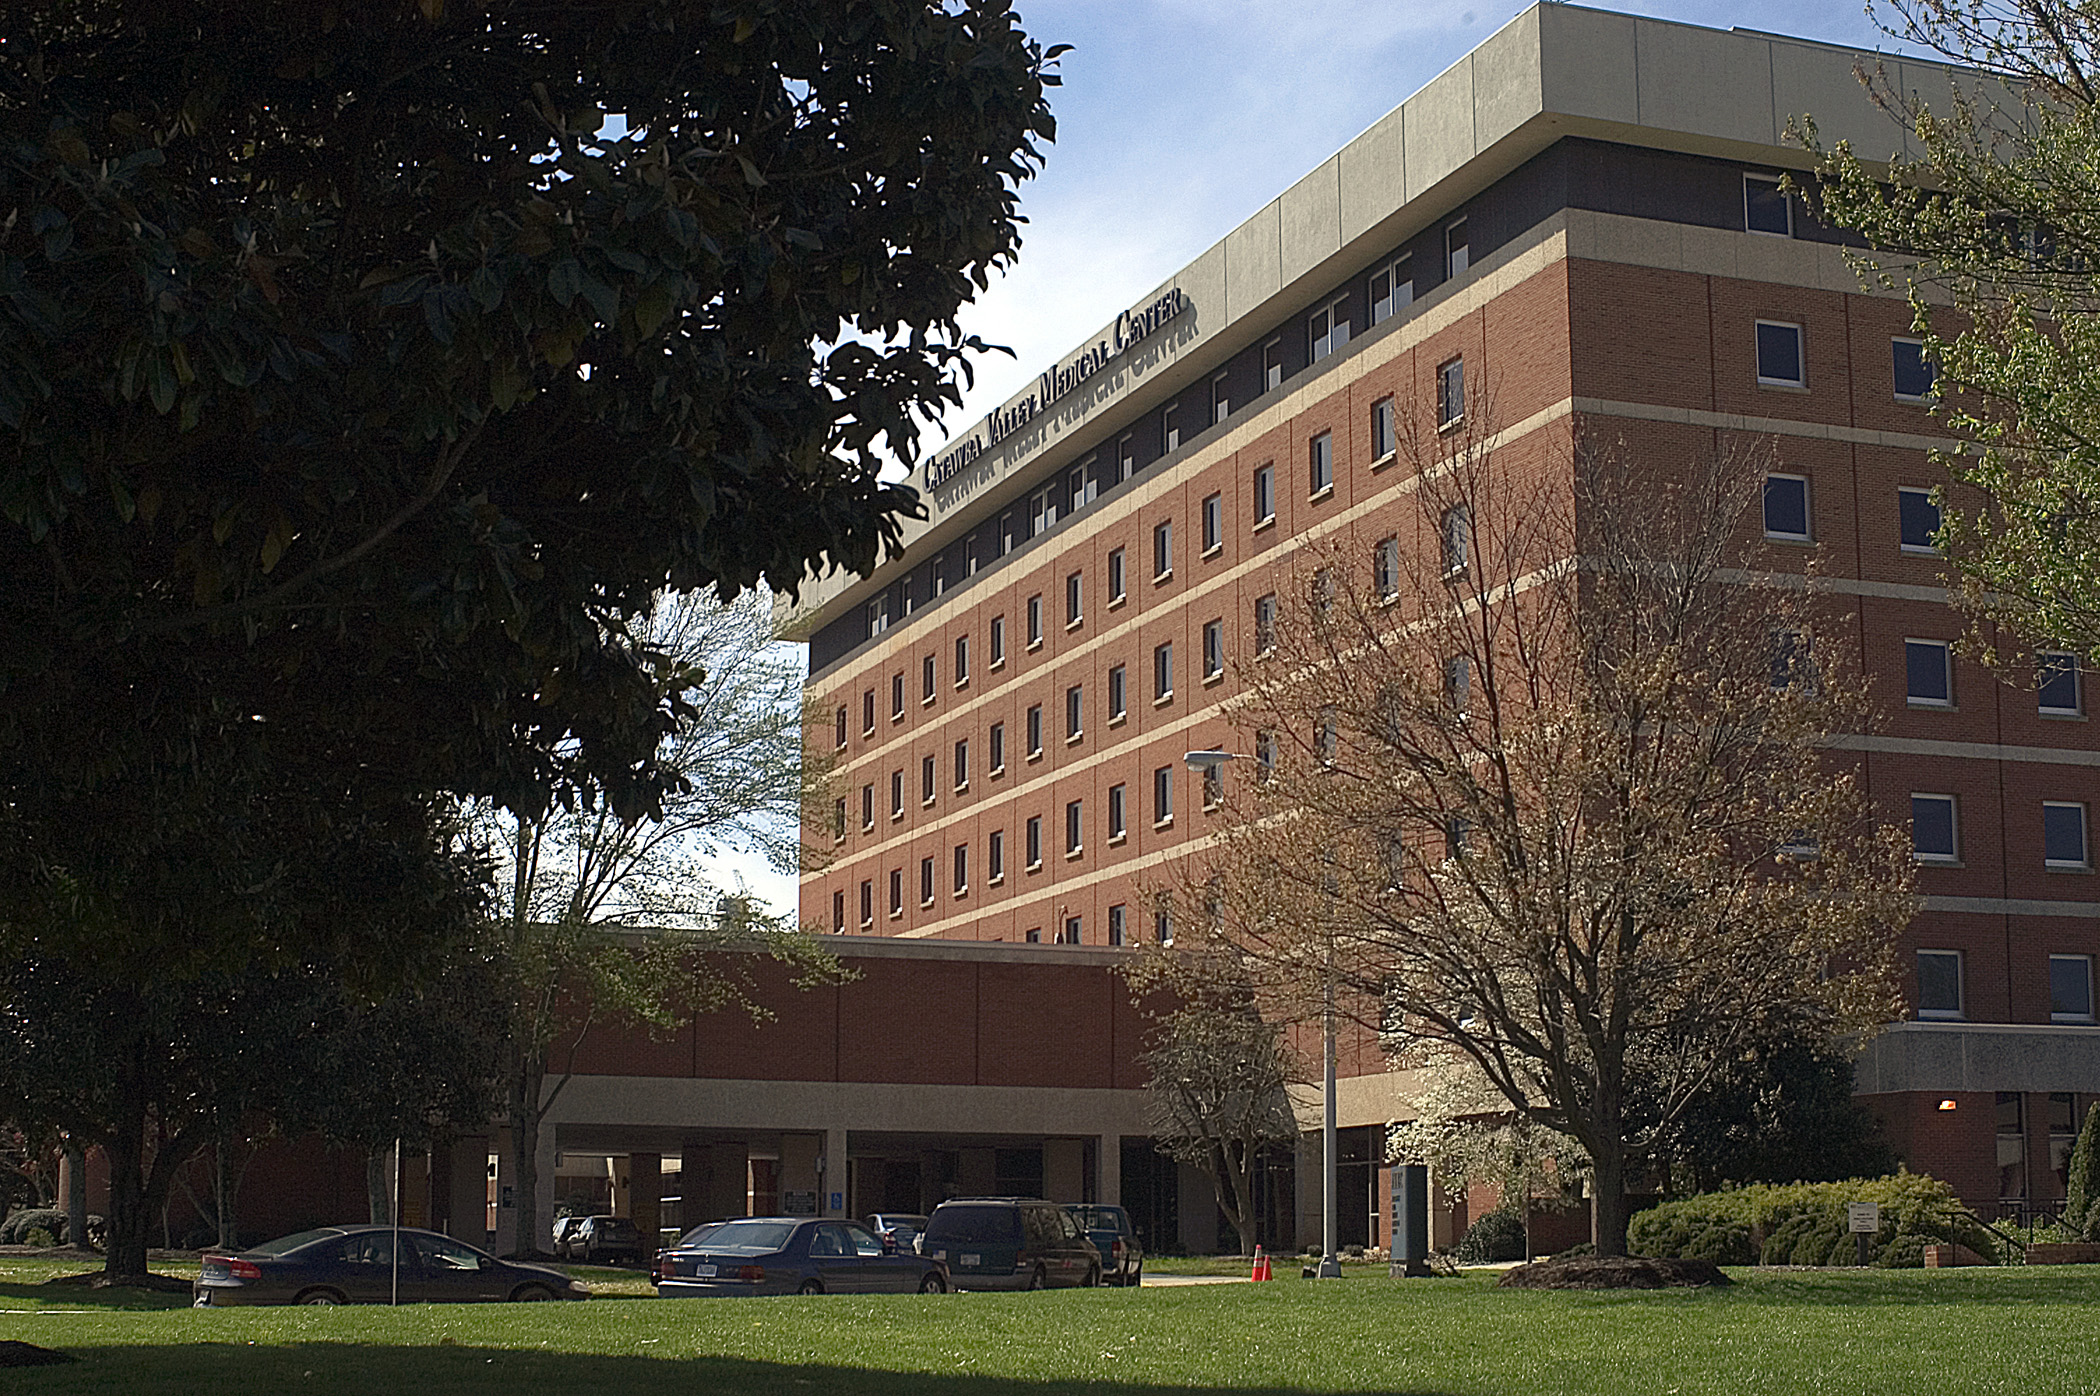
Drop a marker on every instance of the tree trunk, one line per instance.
(526, 1111)
(130, 1210)
(222, 1190)
(1608, 1212)
(76, 1197)
(379, 1184)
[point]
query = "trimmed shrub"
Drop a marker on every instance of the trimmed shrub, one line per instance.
(49, 1220)
(1496, 1236)
(1723, 1243)
(1906, 1252)
(2081, 1206)
(1804, 1223)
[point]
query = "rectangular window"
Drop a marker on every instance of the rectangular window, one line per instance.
(1072, 931)
(1118, 696)
(1005, 534)
(1074, 820)
(1786, 508)
(1265, 623)
(926, 882)
(1075, 599)
(1272, 364)
(1320, 463)
(1035, 933)
(1450, 394)
(867, 902)
(839, 729)
(1163, 671)
(1928, 667)
(1170, 428)
(2012, 1145)
(1220, 399)
(962, 765)
(1779, 362)
(1385, 569)
(995, 751)
(896, 696)
(1033, 842)
(867, 712)
(1162, 551)
(2056, 685)
(1126, 456)
(1458, 683)
(904, 592)
(1042, 510)
(1075, 711)
(1919, 518)
(896, 891)
(1035, 620)
(1163, 925)
(1162, 794)
(1082, 484)
(1327, 329)
(1326, 739)
(2070, 988)
(1458, 249)
(1934, 829)
(867, 806)
(962, 868)
(1264, 494)
(1793, 659)
(1213, 523)
(1384, 438)
(1392, 289)
(1766, 208)
(1213, 784)
(897, 794)
(1264, 756)
(1911, 370)
(1117, 931)
(1035, 730)
(1115, 576)
(1213, 649)
(838, 913)
(2063, 835)
(998, 641)
(995, 856)
(838, 818)
(926, 679)
(926, 779)
(1117, 825)
(878, 616)
(1457, 531)
(1939, 984)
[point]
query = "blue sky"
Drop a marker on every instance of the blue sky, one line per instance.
(1179, 118)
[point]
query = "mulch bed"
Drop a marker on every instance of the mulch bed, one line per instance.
(95, 1279)
(1615, 1272)
(19, 1354)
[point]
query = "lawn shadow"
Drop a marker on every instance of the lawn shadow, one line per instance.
(149, 1370)
(50, 1294)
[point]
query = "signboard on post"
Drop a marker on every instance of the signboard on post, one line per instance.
(1863, 1218)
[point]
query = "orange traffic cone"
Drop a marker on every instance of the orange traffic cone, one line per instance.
(1261, 1265)
(1268, 1271)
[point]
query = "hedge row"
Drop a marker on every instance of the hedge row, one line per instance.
(1804, 1224)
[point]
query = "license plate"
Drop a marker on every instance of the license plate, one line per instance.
(972, 1259)
(703, 1272)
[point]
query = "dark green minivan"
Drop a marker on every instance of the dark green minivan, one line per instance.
(1010, 1243)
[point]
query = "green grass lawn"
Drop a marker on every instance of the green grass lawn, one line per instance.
(2031, 1330)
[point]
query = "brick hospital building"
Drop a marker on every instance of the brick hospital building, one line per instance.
(1585, 210)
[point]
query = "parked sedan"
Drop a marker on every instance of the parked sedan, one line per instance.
(901, 1227)
(793, 1255)
(602, 1241)
(355, 1265)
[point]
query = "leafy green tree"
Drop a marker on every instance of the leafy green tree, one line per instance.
(2081, 1205)
(1782, 1113)
(1997, 220)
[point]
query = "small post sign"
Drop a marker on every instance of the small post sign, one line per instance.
(1863, 1219)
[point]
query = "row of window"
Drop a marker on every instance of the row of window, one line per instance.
(1072, 932)
(1782, 361)
(1928, 670)
(1942, 992)
(1935, 832)
(1162, 788)
(1789, 514)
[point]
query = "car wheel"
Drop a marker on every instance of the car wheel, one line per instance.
(1039, 1280)
(1093, 1276)
(1135, 1277)
(933, 1284)
(531, 1294)
(319, 1296)
(811, 1287)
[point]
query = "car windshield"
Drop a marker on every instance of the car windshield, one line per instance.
(616, 1229)
(965, 1223)
(285, 1244)
(752, 1236)
(700, 1233)
(1101, 1218)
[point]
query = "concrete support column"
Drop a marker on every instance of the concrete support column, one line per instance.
(468, 1219)
(837, 1177)
(799, 1184)
(1064, 1170)
(544, 1191)
(1108, 1170)
(503, 1236)
(1198, 1210)
(646, 1188)
(1309, 1196)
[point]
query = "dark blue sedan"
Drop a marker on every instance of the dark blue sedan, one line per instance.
(357, 1265)
(793, 1255)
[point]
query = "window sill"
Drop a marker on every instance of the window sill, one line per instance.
(963, 789)
(1115, 602)
(1162, 578)
(1074, 854)
(2060, 715)
(868, 827)
(1036, 866)
(1034, 645)
(1393, 598)
(1942, 1015)
(1791, 540)
(1914, 400)
(997, 665)
(1118, 719)
(1453, 425)
(1116, 839)
(995, 772)
(895, 815)
(961, 684)
(1319, 494)
(926, 700)
(1260, 524)
(1074, 623)
(1035, 756)
(2084, 1018)
(1781, 385)
(1163, 699)
(897, 716)
(1210, 680)
(2074, 869)
(926, 802)
(1929, 705)
(1385, 460)
(1934, 860)
(959, 893)
(1075, 738)
(1213, 550)
(995, 879)
(897, 915)
(1166, 823)
(867, 731)
(1213, 806)
(1913, 550)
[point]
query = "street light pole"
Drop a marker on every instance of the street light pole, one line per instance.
(1330, 1154)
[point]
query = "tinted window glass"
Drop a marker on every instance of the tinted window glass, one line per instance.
(1921, 519)
(1765, 206)
(1778, 353)
(285, 1244)
(1786, 506)
(1913, 372)
(1939, 981)
(965, 1223)
(751, 1236)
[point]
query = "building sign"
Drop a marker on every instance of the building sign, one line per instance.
(1131, 327)
(798, 1202)
(1863, 1218)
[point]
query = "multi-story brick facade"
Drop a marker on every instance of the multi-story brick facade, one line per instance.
(1583, 216)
